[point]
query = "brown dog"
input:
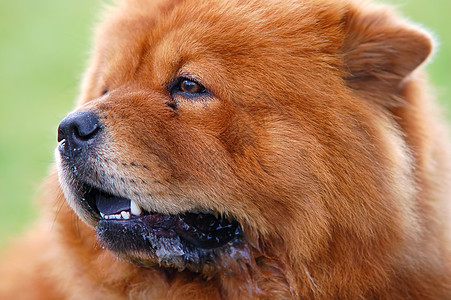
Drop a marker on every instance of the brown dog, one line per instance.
(246, 149)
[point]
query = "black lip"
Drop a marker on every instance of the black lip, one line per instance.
(199, 230)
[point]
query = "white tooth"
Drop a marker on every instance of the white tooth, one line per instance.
(125, 215)
(106, 216)
(135, 209)
(102, 215)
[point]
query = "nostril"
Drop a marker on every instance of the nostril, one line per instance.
(85, 131)
(79, 127)
(61, 134)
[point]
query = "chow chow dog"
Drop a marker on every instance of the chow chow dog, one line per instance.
(240, 149)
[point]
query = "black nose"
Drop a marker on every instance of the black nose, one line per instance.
(79, 129)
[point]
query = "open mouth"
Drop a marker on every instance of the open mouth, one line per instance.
(122, 219)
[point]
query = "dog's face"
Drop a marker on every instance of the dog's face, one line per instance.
(209, 133)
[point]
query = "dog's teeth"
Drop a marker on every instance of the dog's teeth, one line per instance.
(135, 209)
(102, 215)
(125, 215)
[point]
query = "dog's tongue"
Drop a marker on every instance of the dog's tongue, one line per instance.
(110, 205)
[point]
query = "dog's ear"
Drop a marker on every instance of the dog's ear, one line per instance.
(380, 51)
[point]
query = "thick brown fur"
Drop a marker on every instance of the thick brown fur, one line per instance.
(320, 137)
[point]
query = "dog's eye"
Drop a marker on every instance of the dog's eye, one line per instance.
(190, 86)
(187, 86)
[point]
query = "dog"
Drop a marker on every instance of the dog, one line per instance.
(242, 149)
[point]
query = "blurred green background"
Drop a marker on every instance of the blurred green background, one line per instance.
(44, 46)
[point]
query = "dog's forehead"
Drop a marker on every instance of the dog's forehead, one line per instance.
(228, 29)
(228, 44)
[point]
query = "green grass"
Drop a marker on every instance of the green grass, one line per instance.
(43, 49)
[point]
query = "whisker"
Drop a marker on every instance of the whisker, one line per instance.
(60, 204)
(168, 186)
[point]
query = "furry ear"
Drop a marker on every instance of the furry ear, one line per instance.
(380, 51)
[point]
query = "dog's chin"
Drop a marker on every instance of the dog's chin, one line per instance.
(200, 241)
(154, 240)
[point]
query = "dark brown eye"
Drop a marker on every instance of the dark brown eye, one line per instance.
(192, 87)
(187, 88)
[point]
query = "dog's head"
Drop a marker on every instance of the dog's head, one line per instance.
(211, 132)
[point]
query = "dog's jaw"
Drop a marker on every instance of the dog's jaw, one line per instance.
(150, 239)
